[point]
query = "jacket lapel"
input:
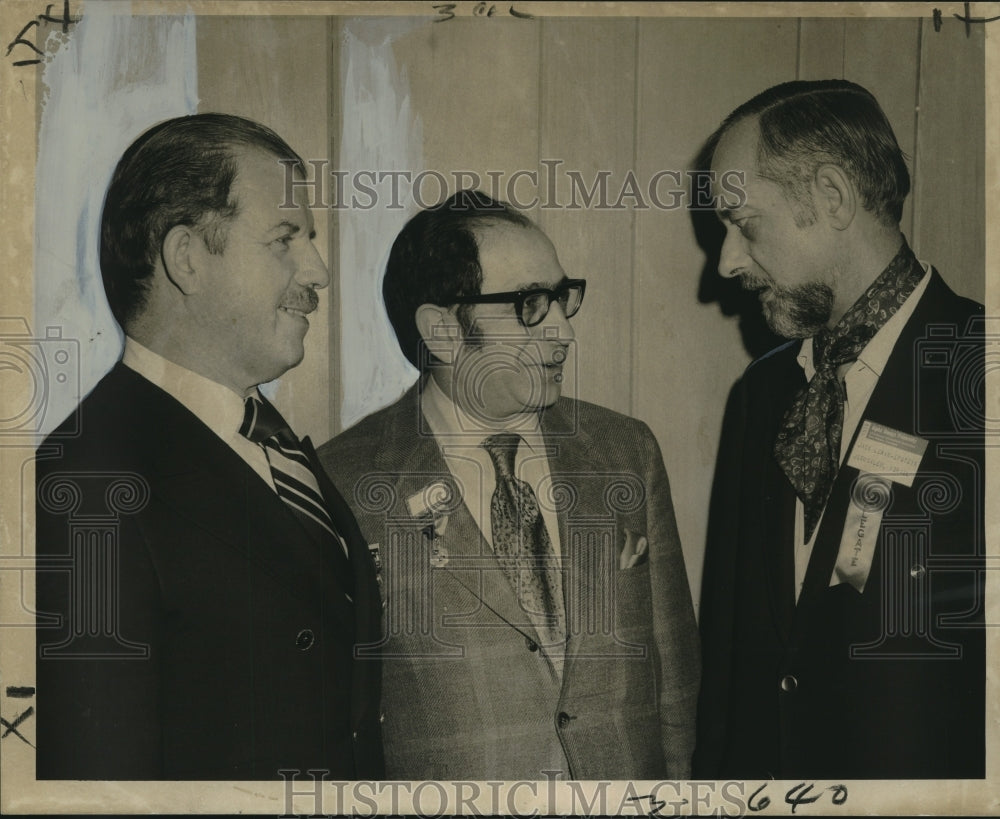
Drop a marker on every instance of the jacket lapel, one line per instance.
(778, 497)
(207, 484)
(410, 454)
(579, 472)
(365, 609)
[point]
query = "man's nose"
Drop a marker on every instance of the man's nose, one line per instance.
(555, 326)
(733, 258)
(311, 272)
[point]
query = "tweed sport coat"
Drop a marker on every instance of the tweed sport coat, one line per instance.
(884, 683)
(466, 692)
(188, 626)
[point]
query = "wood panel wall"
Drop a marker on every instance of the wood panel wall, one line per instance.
(659, 336)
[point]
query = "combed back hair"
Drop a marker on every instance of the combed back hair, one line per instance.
(805, 124)
(179, 172)
(435, 258)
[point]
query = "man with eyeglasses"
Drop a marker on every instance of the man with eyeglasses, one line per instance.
(538, 621)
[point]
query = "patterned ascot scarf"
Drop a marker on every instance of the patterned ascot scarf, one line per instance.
(808, 444)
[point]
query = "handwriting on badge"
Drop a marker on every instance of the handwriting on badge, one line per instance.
(881, 450)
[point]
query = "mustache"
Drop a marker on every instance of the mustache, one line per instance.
(750, 281)
(305, 300)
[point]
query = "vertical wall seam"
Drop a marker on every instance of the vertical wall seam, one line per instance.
(843, 49)
(539, 113)
(636, 280)
(334, 105)
(798, 48)
(915, 187)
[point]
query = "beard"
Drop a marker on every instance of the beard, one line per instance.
(793, 312)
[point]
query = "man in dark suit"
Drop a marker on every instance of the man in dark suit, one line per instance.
(539, 622)
(842, 611)
(201, 585)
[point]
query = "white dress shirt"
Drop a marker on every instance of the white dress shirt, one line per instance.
(215, 405)
(860, 380)
(460, 438)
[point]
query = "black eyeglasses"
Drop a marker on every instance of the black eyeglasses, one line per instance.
(532, 306)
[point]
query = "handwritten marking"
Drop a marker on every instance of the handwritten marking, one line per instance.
(20, 691)
(12, 726)
(765, 800)
(839, 794)
(800, 797)
(795, 796)
(446, 11)
(65, 21)
(968, 19)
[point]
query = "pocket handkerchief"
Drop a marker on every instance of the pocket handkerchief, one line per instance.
(635, 551)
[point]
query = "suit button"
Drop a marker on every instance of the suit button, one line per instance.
(354, 735)
(532, 645)
(381, 717)
(563, 719)
(789, 683)
(304, 639)
(917, 571)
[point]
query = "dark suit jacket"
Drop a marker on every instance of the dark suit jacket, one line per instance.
(466, 693)
(188, 626)
(885, 683)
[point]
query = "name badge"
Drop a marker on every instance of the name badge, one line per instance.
(888, 452)
(883, 456)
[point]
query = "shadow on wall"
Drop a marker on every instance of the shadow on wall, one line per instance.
(732, 299)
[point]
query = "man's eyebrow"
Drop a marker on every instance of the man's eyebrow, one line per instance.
(284, 224)
(728, 214)
(540, 285)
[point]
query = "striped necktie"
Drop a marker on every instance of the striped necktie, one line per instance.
(291, 471)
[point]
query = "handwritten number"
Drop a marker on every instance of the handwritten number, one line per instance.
(18, 41)
(445, 9)
(65, 21)
(764, 801)
(839, 794)
(968, 19)
(800, 798)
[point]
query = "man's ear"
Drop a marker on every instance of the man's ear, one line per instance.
(179, 252)
(836, 197)
(439, 328)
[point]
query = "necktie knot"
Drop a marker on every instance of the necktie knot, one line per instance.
(502, 448)
(261, 422)
(294, 479)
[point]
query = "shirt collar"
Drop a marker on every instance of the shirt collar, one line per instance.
(448, 421)
(877, 351)
(215, 405)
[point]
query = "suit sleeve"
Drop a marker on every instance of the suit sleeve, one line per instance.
(717, 610)
(674, 626)
(97, 671)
